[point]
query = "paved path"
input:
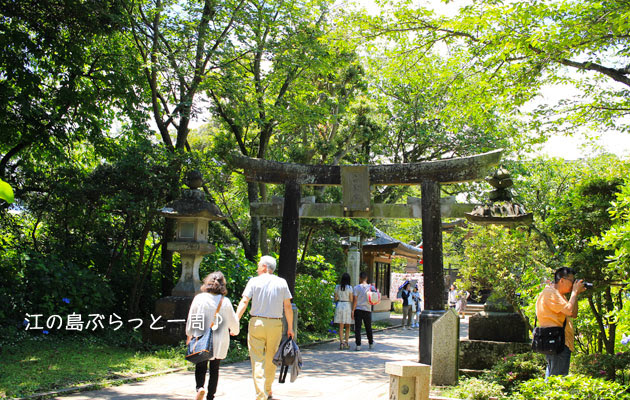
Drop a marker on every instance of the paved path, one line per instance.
(328, 373)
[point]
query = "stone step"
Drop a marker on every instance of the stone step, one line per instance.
(472, 309)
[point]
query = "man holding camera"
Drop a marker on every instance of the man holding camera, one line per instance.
(553, 309)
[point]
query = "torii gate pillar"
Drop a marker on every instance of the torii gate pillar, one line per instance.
(290, 232)
(432, 266)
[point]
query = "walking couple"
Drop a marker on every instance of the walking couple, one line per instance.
(353, 307)
(270, 296)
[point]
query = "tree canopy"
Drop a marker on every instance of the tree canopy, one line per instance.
(510, 50)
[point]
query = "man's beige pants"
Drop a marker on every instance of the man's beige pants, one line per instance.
(263, 340)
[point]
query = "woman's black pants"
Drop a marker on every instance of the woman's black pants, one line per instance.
(200, 376)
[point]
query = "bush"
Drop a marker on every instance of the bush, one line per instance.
(314, 300)
(602, 365)
(235, 267)
(474, 389)
(574, 387)
(237, 271)
(317, 267)
(45, 285)
(517, 368)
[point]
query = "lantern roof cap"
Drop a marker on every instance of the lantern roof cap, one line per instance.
(192, 204)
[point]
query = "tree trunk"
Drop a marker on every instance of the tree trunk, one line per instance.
(136, 290)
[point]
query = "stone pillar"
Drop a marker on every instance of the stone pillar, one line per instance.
(290, 232)
(445, 350)
(408, 380)
(189, 283)
(354, 262)
(432, 267)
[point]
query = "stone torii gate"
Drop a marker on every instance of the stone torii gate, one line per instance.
(356, 203)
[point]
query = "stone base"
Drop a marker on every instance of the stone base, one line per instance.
(483, 354)
(172, 334)
(498, 327)
(384, 305)
(380, 316)
(168, 308)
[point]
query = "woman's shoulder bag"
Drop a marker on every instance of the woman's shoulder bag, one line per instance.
(201, 348)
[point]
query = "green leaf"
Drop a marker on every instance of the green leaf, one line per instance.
(6, 193)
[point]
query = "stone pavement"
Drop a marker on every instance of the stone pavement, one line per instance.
(328, 373)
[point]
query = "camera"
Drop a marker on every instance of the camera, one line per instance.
(588, 285)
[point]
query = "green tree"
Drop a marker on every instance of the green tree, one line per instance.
(580, 217)
(511, 262)
(6, 192)
(285, 98)
(178, 45)
(61, 80)
(510, 50)
(617, 239)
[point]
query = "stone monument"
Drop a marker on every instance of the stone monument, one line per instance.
(445, 350)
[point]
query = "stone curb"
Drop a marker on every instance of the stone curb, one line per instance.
(121, 381)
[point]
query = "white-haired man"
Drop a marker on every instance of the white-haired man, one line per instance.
(269, 295)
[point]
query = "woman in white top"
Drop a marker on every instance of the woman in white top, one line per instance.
(452, 296)
(200, 317)
(343, 311)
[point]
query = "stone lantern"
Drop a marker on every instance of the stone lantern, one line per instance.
(500, 210)
(497, 330)
(191, 213)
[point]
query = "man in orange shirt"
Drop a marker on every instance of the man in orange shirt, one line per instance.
(552, 308)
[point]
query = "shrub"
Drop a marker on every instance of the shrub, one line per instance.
(49, 286)
(314, 300)
(235, 267)
(517, 368)
(574, 387)
(602, 365)
(475, 389)
(317, 267)
(237, 271)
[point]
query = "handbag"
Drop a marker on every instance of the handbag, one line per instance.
(200, 348)
(548, 340)
(373, 295)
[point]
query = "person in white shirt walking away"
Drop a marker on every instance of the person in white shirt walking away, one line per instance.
(269, 295)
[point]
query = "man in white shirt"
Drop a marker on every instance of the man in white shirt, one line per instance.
(362, 312)
(269, 295)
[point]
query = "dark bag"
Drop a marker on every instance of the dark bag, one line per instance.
(201, 348)
(549, 340)
(288, 352)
